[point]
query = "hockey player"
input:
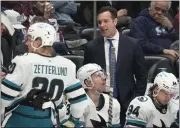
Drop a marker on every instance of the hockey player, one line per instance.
(93, 79)
(157, 109)
(41, 70)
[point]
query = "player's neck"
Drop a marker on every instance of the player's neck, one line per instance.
(157, 104)
(44, 52)
(94, 97)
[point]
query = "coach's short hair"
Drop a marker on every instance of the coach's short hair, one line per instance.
(111, 9)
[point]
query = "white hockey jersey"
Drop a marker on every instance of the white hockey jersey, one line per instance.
(98, 116)
(56, 75)
(143, 113)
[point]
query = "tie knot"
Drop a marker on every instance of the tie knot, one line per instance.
(110, 41)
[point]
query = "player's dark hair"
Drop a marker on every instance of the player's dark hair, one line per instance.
(151, 89)
(110, 9)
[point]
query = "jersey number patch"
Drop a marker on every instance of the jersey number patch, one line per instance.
(132, 110)
(55, 84)
(68, 109)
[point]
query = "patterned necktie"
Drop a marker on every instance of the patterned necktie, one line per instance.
(112, 70)
(110, 66)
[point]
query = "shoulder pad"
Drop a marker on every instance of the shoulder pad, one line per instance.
(142, 101)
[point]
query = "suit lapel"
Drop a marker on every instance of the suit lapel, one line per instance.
(120, 49)
(101, 52)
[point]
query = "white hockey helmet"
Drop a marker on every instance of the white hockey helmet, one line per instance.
(44, 31)
(85, 72)
(167, 82)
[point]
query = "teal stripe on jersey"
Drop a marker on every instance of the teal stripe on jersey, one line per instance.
(73, 86)
(79, 100)
(63, 121)
(136, 123)
(6, 97)
(116, 126)
(9, 83)
(60, 105)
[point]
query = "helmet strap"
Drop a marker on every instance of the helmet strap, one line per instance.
(93, 87)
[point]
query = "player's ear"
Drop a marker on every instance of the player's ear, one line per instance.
(88, 83)
(155, 91)
(115, 21)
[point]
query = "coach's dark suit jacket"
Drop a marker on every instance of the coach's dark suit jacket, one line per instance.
(130, 64)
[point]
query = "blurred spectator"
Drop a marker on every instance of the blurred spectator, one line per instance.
(85, 13)
(154, 29)
(37, 19)
(6, 26)
(16, 20)
(123, 19)
(22, 48)
(18, 36)
(176, 22)
(42, 8)
(6, 47)
(133, 7)
(23, 7)
(64, 11)
(45, 9)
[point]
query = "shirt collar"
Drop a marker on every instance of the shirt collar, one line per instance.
(115, 37)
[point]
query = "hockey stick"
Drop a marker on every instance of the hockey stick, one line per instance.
(112, 75)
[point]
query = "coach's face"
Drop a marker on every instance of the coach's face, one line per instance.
(107, 24)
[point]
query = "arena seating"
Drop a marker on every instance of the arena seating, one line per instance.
(78, 60)
(126, 31)
(88, 33)
(151, 60)
(159, 66)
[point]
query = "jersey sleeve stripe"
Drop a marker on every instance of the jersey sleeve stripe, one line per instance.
(116, 126)
(72, 88)
(78, 99)
(11, 85)
(136, 123)
(63, 121)
(9, 91)
(6, 96)
(75, 93)
(60, 106)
